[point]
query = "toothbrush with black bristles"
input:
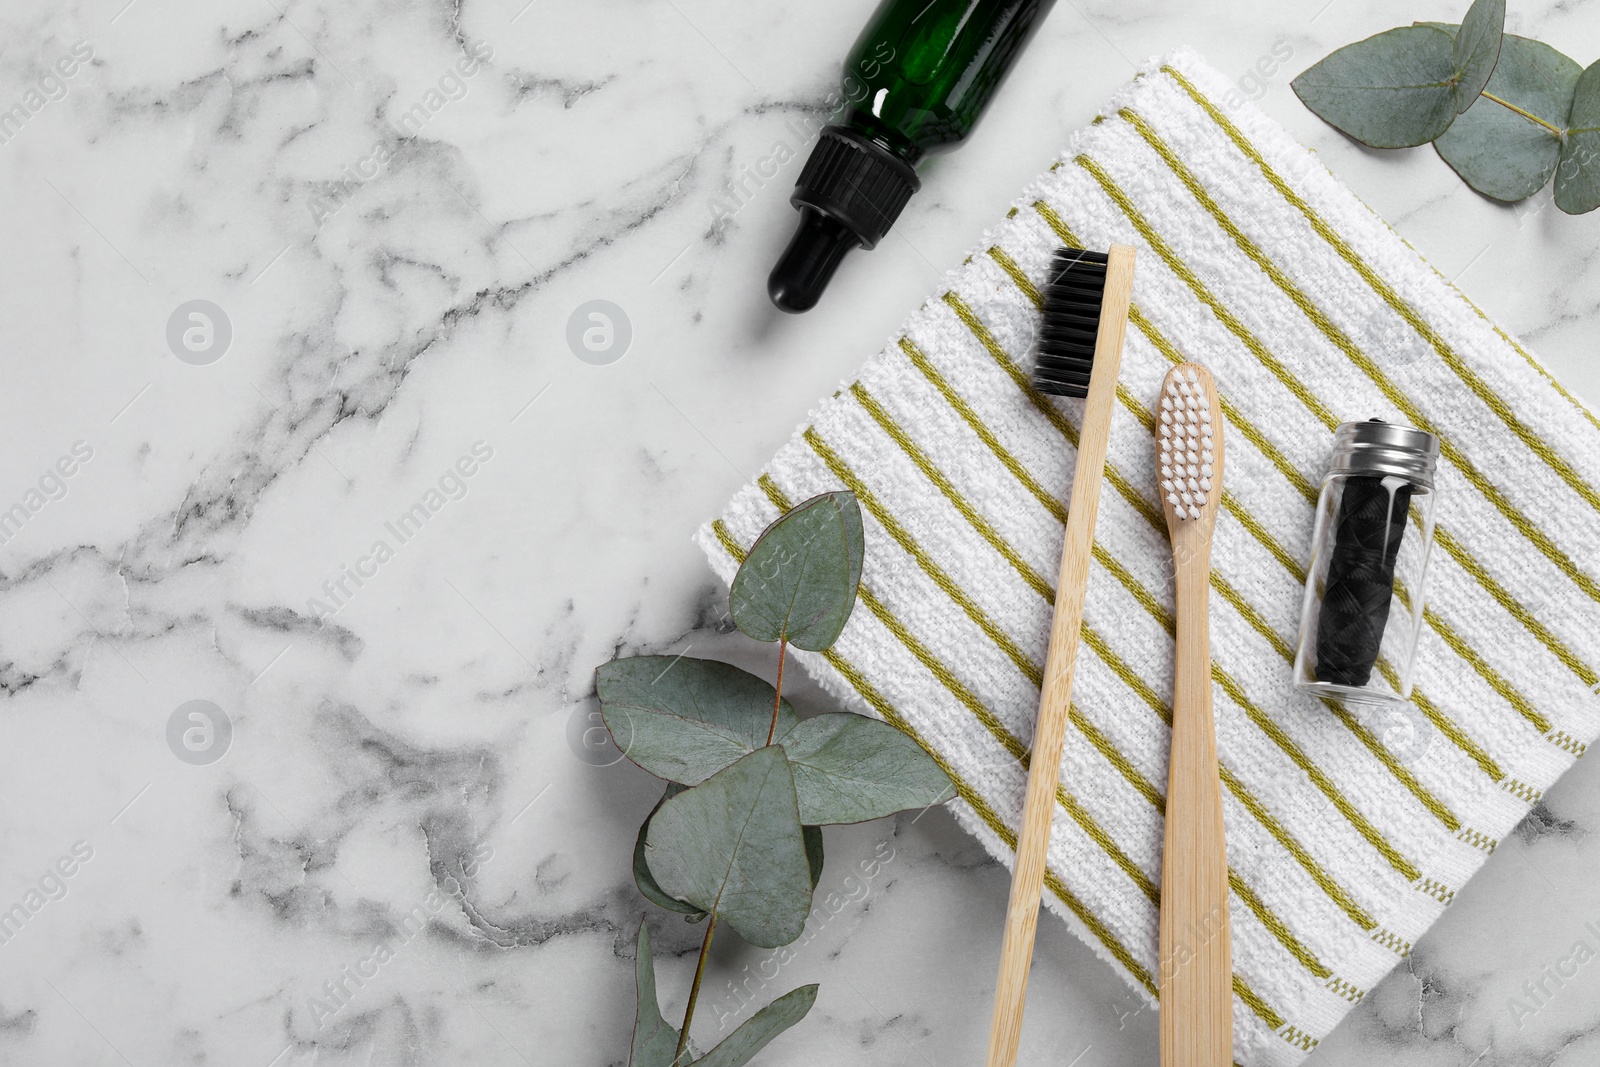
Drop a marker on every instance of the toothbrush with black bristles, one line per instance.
(1080, 353)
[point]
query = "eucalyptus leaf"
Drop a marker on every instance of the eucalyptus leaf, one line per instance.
(655, 1042)
(1578, 175)
(849, 768)
(732, 846)
(798, 584)
(641, 869)
(685, 719)
(1499, 152)
(1393, 90)
(755, 1032)
(1477, 50)
(813, 841)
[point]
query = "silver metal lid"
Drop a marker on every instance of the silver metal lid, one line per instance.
(1385, 448)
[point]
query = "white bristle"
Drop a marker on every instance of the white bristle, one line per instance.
(1187, 439)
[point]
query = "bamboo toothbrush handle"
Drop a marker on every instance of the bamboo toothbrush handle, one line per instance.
(1196, 961)
(1055, 696)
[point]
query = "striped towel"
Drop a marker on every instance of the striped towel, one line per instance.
(1348, 832)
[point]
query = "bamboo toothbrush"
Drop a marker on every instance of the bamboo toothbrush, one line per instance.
(1080, 352)
(1196, 962)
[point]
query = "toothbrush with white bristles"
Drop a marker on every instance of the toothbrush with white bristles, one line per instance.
(1188, 441)
(1196, 968)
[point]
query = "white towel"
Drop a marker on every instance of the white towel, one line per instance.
(1347, 834)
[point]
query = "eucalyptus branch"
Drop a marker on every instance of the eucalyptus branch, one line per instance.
(736, 838)
(1424, 83)
(777, 693)
(1508, 105)
(694, 990)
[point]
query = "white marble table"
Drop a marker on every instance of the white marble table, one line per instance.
(392, 210)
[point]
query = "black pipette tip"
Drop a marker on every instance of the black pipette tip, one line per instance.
(807, 265)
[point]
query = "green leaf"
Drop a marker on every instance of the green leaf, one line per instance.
(753, 1034)
(1578, 176)
(1392, 90)
(654, 1041)
(1502, 154)
(799, 582)
(732, 846)
(641, 870)
(849, 768)
(685, 719)
(813, 840)
(1477, 50)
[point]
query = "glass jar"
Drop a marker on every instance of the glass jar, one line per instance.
(1367, 582)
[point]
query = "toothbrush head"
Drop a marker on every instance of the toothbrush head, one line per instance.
(1071, 324)
(1189, 439)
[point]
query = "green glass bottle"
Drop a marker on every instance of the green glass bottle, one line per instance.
(916, 82)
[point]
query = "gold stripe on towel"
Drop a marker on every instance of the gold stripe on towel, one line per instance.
(975, 422)
(1395, 395)
(975, 801)
(1203, 293)
(1458, 551)
(1030, 670)
(1542, 448)
(1343, 342)
(1101, 647)
(990, 721)
(1092, 638)
(1447, 447)
(965, 791)
(1335, 892)
(1243, 991)
(1318, 777)
(1034, 579)
(1285, 937)
(1109, 751)
(1009, 265)
(1238, 420)
(1269, 920)
(1052, 880)
(1538, 367)
(1397, 769)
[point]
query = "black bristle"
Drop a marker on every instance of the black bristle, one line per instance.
(1071, 322)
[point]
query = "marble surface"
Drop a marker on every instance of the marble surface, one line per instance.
(390, 211)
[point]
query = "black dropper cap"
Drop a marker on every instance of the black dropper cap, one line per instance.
(849, 193)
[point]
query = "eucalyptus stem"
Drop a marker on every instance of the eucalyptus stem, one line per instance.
(777, 695)
(1525, 114)
(694, 990)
